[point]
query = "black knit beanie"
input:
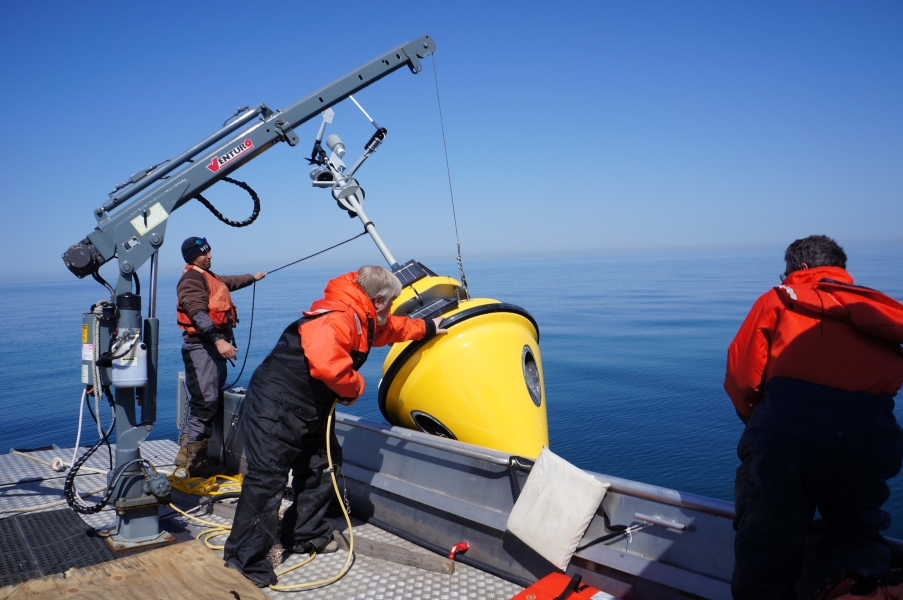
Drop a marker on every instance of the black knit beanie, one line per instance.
(194, 247)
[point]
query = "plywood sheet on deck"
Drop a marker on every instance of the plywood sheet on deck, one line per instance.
(187, 570)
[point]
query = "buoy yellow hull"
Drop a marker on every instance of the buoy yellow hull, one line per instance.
(480, 383)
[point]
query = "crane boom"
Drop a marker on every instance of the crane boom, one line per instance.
(137, 228)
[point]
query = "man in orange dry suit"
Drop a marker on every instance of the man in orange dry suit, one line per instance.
(813, 372)
(285, 411)
(206, 315)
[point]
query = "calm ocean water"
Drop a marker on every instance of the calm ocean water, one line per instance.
(633, 351)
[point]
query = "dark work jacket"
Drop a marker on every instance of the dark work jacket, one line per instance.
(289, 366)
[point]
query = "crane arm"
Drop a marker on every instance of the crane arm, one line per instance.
(131, 225)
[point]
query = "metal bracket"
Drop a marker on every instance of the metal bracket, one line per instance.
(125, 545)
(291, 138)
(144, 501)
(660, 522)
(413, 62)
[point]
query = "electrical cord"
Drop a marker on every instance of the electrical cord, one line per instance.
(199, 486)
(215, 529)
(94, 417)
(209, 487)
(78, 437)
(335, 487)
(215, 491)
(69, 490)
(72, 497)
(237, 112)
(97, 309)
(54, 464)
(103, 282)
(99, 389)
(247, 348)
(106, 359)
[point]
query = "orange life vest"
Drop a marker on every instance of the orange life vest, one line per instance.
(886, 586)
(219, 304)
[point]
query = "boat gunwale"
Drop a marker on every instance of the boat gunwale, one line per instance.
(704, 504)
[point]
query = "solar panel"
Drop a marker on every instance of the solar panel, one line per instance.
(409, 272)
(435, 308)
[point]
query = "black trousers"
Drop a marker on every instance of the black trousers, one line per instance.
(809, 447)
(282, 431)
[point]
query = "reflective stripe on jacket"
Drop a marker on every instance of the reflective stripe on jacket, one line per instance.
(219, 304)
(818, 327)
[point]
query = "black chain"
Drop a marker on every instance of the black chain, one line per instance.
(220, 216)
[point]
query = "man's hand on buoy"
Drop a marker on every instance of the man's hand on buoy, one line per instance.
(436, 322)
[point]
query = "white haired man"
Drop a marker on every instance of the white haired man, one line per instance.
(314, 363)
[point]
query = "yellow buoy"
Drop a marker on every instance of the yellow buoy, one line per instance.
(480, 383)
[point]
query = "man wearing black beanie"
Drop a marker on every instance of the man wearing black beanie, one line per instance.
(206, 315)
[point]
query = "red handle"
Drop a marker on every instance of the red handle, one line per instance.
(459, 547)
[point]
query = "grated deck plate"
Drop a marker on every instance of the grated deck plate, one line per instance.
(46, 543)
(373, 578)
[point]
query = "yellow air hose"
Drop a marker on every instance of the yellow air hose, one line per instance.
(209, 487)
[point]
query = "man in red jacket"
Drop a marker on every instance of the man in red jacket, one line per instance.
(813, 372)
(284, 416)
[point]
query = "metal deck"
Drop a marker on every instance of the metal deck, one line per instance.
(26, 485)
(45, 543)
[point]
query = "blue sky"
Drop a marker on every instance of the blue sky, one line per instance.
(579, 127)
